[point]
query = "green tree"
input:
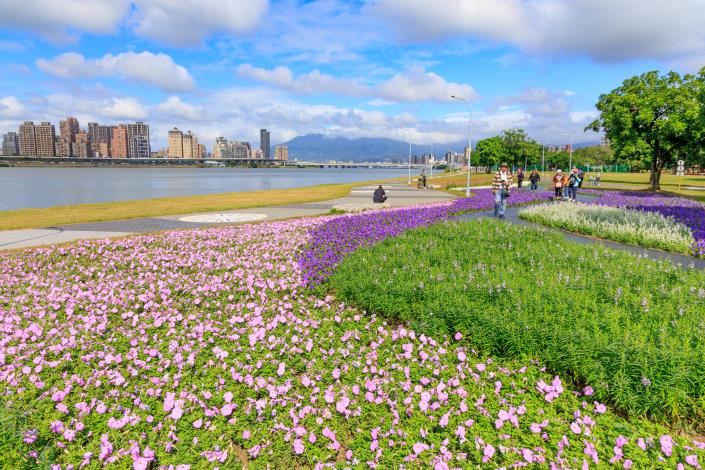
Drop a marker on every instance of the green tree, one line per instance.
(653, 118)
(489, 152)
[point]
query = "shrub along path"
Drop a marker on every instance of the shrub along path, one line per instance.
(512, 216)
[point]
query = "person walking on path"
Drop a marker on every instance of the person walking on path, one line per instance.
(520, 177)
(573, 183)
(534, 179)
(581, 176)
(565, 186)
(558, 184)
(380, 195)
(501, 184)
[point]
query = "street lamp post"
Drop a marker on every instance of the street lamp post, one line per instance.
(467, 188)
(570, 164)
(408, 135)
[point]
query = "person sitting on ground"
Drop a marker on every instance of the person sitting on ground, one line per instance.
(558, 183)
(534, 179)
(379, 196)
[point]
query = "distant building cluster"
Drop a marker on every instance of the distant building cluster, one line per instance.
(126, 141)
(184, 145)
(98, 141)
(559, 148)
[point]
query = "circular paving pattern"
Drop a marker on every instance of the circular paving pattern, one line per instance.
(223, 218)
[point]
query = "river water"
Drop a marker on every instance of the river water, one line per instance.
(45, 187)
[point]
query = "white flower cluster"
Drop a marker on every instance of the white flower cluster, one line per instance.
(649, 229)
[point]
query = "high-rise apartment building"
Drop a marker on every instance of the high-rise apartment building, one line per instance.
(67, 132)
(28, 139)
(176, 143)
(201, 151)
(140, 146)
(230, 149)
(188, 141)
(11, 144)
(81, 148)
(135, 147)
(281, 153)
(118, 144)
(44, 134)
(264, 143)
(100, 137)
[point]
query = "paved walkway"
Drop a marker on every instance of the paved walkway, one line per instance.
(512, 216)
(398, 195)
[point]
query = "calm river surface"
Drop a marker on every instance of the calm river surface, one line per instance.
(44, 187)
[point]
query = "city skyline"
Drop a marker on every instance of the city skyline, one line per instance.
(374, 68)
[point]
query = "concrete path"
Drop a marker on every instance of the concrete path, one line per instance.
(398, 195)
(512, 216)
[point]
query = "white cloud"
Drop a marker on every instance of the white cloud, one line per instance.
(187, 22)
(124, 108)
(146, 67)
(604, 30)
(58, 20)
(305, 84)
(178, 109)
(11, 107)
(414, 85)
(419, 85)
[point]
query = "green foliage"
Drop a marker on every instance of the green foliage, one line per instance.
(594, 155)
(489, 152)
(634, 329)
(654, 119)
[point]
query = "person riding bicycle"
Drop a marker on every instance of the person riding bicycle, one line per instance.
(422, 180)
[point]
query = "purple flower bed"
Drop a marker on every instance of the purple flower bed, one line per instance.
(686, 211)
(330, 241)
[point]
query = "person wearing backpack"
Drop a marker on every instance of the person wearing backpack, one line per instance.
(558, 184)
(501, 184)
(573, 183)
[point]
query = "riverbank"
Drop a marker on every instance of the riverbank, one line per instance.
(121, 210)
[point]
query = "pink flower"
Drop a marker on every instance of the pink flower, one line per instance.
(336, 373)
(458, 336)
(575, 427)
(666, 445)
(588, 391)
(600, 408)
(488, 452)
(227, 397)
(627, 464)
(106, 448)
(461, 356)
(281, 369)
(342, 404)
(298, 446)
(481, 366)
(198, 423)
(246, 434)
(692, 460)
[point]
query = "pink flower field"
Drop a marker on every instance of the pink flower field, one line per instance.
(204, 349)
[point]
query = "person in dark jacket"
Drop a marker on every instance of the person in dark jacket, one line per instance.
(520, 177)
(581, 177)
(534, 179)
(379, 195)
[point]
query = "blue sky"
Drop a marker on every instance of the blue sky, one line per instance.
(354, 68)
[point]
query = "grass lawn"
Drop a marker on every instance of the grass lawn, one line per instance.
(119, 210)
(631, 328)
(669, 183)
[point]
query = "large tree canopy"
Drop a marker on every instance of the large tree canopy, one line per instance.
(653, 118)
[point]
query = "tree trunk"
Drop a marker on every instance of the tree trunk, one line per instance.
(657, 163)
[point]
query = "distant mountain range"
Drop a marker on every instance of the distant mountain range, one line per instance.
(318, 147)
